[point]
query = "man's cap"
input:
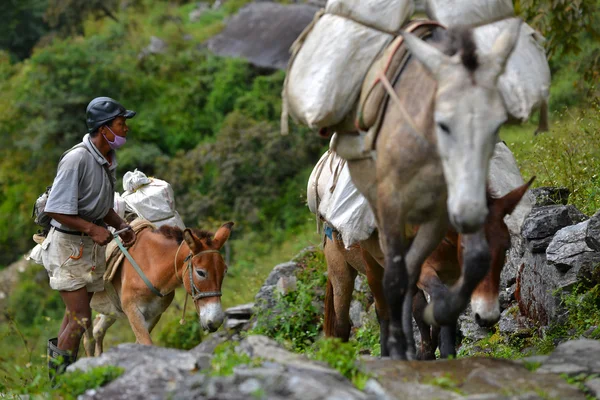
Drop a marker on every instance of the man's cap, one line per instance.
(102, 110)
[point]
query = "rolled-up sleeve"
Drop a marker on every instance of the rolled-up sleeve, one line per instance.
(64, 195)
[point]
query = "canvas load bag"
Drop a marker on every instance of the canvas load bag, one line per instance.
(525, 83)
(151, 199)
(332, 196)
(383, 15)
(388, 65)
(324, 78)
(468, 12)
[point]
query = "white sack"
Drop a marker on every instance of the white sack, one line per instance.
(504, 176)
(469, 12)
(119, 205)
(325, 78)
(345, 209)
(384, 15)
(133, 180)
(155, 202)
(525, 83)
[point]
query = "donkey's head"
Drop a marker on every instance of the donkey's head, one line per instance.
(484, 300)
(469, 111)
(204, 274)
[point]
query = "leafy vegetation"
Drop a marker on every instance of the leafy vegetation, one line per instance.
(208, 125)
(342, 357)
(296, 318)
(226, 358)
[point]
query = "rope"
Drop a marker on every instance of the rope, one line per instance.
(407, 117)
(175, 264)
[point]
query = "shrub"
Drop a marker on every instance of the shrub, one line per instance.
(185, 337)
(296, 319)
(342, 357)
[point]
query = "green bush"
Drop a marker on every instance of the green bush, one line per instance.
(226, 358)
(33, 302)
(296, 319)
(185, 337)
(342, 357)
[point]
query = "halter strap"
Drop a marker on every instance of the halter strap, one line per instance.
(196, 292)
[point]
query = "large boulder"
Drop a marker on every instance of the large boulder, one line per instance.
(592, 236)
(568, 249)
(555, 257)
(263, 32)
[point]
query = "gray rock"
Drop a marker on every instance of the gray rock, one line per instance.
(360, 283)
(576, 215)
(539, 245)
(357, 313)
(149, 367)
(506, 297)
(593, 385)
(574, 357)
(374, 388)
(243, 311)
(549, 196)
(540, 284)
(476, 376)
(545, 221)
(264, 299)
(569, 249)
(592, 236)
(286, 284)
(262, 33)
(286, 269)
(469, 329)
(513, 324)
(130, 356)
(235, 324)
(267, 349)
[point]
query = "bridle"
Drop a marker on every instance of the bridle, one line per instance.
(196, 293)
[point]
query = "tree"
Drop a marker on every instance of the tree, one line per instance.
(562, 22)
(68, 16)
(23, 25)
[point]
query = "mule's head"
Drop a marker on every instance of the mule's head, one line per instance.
(484, 300)
(469, 111)
(204, 276)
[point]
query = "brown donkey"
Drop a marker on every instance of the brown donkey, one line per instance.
(169, 257)
(442, 267)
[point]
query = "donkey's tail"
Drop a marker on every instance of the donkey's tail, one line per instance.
(329, 323)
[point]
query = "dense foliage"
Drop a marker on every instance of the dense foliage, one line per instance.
(204, 123)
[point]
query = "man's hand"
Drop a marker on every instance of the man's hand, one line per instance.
(100, 235)
(128, 236)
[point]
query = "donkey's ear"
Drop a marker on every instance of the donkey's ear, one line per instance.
(222, 234)
(505, 44)
(512, 198)
(190, 239)
(432, 58)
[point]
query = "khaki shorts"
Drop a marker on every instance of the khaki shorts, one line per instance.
(73, 262)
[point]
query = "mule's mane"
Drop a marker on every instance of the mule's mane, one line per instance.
(460, 41)
(174, 232)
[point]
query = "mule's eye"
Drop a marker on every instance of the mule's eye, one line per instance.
(201, 273)
(444, 128)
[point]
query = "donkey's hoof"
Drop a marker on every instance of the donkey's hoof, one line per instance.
(428, 315)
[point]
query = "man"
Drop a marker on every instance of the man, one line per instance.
(81, 206)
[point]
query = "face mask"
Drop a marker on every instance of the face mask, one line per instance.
(118, 142)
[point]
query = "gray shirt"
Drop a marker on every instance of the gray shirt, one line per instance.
(82, 186)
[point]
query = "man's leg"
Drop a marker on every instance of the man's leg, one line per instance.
(79, 317)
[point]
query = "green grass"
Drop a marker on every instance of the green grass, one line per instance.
(568, 155)
(254, 261)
